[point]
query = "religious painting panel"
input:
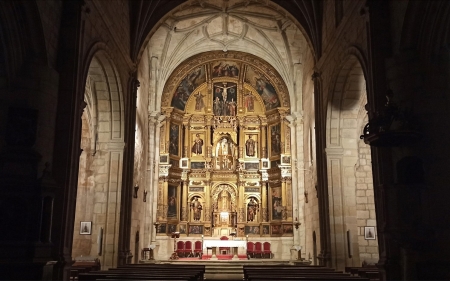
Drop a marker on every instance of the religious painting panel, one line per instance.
(199, 101)
(161, 229)
(197, 148)
(224, 69)
(183, 229)
(197, 165)
(249, 101)
(172, 209)
(174, 142)
(288, 229)
(194, 79)
(251, 166)
(275, 140)
(164, 159)
(252, 230)
(171, 228)
(184, 163)
(251, 145)
(265, 164)
(225, 99)
(276, 202)
(285, 159)
(195, 229)
(276, 230)
(263, 86)
(265, 230)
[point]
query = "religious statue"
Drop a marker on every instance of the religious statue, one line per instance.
(232, 108)
(224, 152)
(198, 145)
(217, 107)
(197, 209)
(250, 147)
(199, 104)
(252, 208)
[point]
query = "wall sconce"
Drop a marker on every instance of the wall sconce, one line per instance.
(156, 224)
(136, 188)
(306, 196)
(296, 223)
(145, 196)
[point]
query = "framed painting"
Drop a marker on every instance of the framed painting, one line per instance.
(184, 163)
(164, 159)
(161, 229)
(265, 230)
(275, 140)
(86, 228)
(276, 230)
(172, 200)
(252, 230)
(196, 229)
(174, 141)
(369, 232)
(288, 229)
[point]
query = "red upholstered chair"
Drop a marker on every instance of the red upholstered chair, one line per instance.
(250, 249)
(266, 250)
(198, 250)
(180, 248)
(258, 249)
(188, 249)
(225, 250)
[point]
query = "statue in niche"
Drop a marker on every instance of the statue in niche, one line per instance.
(224, 153)
(198, 145)
(250, 146)
(252, 208)
(217, 107)
(232, 107)
(224, 198)
(196, 208)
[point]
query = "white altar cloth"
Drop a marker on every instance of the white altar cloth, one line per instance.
(224, 243)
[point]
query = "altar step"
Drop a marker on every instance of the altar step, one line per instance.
(224, 271)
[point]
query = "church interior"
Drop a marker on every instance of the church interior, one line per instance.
(314, 126)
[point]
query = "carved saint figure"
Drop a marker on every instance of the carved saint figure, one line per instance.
(196, 208)
(197, 146)
(252, 208)
(217, 107)
(232, 107)
(250, 147)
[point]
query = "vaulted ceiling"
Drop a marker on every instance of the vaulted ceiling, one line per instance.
(280, 32)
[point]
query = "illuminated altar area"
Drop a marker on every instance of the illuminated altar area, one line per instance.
(225, 154)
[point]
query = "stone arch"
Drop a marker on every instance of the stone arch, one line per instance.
(99, 181)
(348, 163)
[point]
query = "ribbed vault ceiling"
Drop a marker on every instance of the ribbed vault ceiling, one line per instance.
(259, 27)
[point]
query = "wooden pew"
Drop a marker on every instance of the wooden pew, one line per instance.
(283, 272)
(147, 272)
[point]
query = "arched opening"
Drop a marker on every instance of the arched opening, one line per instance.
(352, 207)
(100, 168)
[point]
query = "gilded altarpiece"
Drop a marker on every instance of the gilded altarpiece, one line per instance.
(225, 134)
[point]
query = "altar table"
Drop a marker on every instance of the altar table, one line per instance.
(234, 244)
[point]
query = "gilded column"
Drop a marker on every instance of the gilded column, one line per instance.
(264, 139)
(241, 214)
(208, 210)
(264, 213)
(186, 150)
(165, 197)
(283, 198)
(282, 112)
(184, 203)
